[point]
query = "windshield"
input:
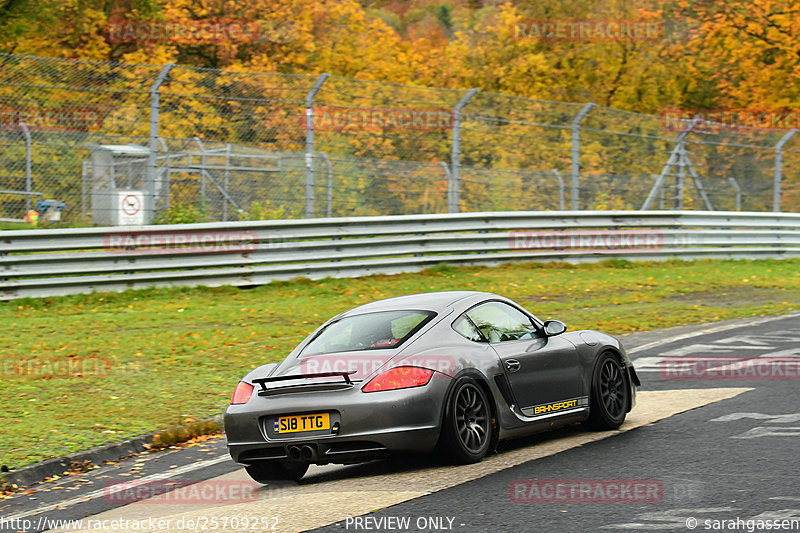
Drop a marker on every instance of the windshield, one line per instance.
(371, 331)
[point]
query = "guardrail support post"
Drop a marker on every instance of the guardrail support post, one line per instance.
(310, 143)
(576, 153)
(453, 184)
(776, 189)
(152, 161)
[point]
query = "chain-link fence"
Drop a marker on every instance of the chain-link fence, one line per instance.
(109, 143)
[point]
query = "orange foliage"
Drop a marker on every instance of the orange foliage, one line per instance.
(739, 54)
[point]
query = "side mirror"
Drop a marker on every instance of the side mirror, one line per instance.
(554, 327)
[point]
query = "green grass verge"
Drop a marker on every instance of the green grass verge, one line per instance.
(79, 371)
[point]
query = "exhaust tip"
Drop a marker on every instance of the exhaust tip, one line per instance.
(294, 452)
(307, 452)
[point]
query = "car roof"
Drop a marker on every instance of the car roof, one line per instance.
(431, 301)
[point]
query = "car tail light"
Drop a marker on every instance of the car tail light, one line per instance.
(242, 393)
(401, 377)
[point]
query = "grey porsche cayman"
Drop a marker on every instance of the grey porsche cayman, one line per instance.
(454, 371)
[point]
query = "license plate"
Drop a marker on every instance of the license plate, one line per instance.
(293, 424)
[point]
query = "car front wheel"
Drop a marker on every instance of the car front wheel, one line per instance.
(611, 394)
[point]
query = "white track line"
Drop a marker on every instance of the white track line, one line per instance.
(707, 331)
(99, 493)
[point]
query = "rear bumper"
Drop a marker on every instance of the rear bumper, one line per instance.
(371, 425)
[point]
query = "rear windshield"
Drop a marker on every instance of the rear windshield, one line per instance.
(371, 331)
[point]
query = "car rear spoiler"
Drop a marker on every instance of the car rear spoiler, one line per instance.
(263, 381)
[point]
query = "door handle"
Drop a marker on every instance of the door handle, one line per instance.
(512, 365)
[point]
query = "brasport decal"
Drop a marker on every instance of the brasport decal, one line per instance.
(555, 407)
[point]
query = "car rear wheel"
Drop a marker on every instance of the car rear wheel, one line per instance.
(266, 471)
(467, 427)
(611, 394)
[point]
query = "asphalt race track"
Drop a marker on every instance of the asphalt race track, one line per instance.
(711, 446)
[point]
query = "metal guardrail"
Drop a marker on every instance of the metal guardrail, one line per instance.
(36, 263)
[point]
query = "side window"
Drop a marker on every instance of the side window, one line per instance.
(499, 322)
(368, 331)
(465, 328)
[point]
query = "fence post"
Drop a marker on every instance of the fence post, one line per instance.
(310, 143)
(329, 184)
(560, 190)
(776, 189)
(28, 179)
(199, 144)
(167, 174)
(576, 153)
(84, 179)
(738, 191)
(453, 184)
(152, 161)
(681, 176)
(674, 158)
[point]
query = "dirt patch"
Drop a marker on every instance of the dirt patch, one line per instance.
(737, 296)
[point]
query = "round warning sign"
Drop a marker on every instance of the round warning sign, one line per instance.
(131, 204)
(130, 208)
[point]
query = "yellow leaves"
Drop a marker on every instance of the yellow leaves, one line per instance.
(736, 45)
(746, 48)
